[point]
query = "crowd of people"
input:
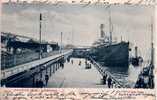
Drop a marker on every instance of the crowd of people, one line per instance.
(43, 82)
(142, 82)
(107, 80)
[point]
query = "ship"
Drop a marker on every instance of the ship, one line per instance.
(112, 55)
(108, 52)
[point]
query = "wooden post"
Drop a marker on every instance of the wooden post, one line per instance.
(53, 68)
(56, 66)
(50, 69)
(46, 69)
(41, 72)
(33, 80)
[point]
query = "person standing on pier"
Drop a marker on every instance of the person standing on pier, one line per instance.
(37, 83)
(46, 79)
(109, 81)
(79, 63)
(62, 64)
(104, 78)
(68, 59)
(140, 83)
(85, 62)
(71, 61)
(41, 83)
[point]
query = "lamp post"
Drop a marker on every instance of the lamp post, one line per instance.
(40, 52)
(61, 42)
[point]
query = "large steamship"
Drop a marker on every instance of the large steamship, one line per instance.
(110, 53)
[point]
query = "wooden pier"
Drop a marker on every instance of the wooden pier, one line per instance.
(16, 72)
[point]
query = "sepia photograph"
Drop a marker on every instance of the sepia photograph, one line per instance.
(61, 45)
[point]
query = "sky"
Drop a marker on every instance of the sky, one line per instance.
(81, 23)
(66, 0)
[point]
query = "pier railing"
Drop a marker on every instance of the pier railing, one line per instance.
(14, 60)
(102, 71)
(5, 73)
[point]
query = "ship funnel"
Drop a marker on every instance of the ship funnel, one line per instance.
(136, 52)
(102, 34)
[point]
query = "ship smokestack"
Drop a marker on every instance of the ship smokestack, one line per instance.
(102, 34)
(136, 52)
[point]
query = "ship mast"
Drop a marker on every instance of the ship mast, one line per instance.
(152, 58)
(110, 27)
(40, 22)
(152, 44)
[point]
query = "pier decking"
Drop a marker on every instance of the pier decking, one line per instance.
(75, 76)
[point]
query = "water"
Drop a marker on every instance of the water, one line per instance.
(127, 76)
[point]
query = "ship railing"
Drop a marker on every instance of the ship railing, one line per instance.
(102, 71)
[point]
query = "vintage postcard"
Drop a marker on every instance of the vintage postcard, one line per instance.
(78, 50)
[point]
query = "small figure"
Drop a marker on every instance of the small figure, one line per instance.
(62, 65)
(90, 65)
(109, 81)
(68, 59)
(104, 78)
(85, 62)
(46, 79)
(146, 81)
(113, 84)
(140, 83)
(79, 63)
(71, 61)
(37, 83)
(92, 61)
(41, 83)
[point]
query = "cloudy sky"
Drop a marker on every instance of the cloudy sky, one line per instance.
(130, 22)
(112, 1)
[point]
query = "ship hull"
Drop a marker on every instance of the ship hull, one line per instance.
(113, 55)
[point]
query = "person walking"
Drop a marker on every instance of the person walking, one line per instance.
(37, 83)
(62, 64)
(79, 63)
(68, 59)
(71, 61)
(46, 79)
(109, 81)
(104, 78)
(41, 83)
